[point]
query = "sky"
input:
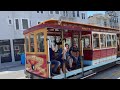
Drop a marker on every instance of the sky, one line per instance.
(94, 12)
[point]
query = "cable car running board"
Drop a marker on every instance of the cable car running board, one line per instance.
(88, 76)
(118, 62)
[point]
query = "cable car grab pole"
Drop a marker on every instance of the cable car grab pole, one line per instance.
(81, 54)
(63, 45)
(82, 58)
(49, 63)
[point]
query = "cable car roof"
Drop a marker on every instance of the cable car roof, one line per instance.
(67, 25)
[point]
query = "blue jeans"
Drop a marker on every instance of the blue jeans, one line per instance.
(76, 60)
(56, 63)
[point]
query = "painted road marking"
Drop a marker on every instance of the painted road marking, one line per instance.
(21, 78)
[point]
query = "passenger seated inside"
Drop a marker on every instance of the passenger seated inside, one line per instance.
(64, 57)
(68, 57)
(59, 56)
(74, 53)
(54, 63)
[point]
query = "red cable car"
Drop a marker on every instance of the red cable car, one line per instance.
(97, 48)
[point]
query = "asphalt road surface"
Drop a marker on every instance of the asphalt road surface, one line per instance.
(18, 73)
(13, 73)
(111, 73)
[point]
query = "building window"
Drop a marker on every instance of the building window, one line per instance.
(57, 12)
(66, 13)
(98, 21)
(63, 13)
(96, 41)
(30, 23)
(18, 45)
(105, 23)
(37, 11)
(10, 21)
(78, 14)
(5, 51)
(117, 20)
(41, 11)
(83, 15)
(73, 13)
(25, 23)
(17, 24)
(110, 20)
(40, 42)
(51, 12)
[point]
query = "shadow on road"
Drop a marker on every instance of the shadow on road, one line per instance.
(110, 73)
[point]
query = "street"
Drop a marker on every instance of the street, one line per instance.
(13, 73)
(18, 73)
(111, 73)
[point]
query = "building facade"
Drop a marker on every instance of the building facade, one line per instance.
(99, 20)
(114, 18)
(13, 23)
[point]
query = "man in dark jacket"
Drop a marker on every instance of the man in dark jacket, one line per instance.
(53, 62)
(75, 49)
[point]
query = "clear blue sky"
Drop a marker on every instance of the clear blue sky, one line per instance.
(94, 12)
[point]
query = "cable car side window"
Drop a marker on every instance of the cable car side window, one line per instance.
(32, 48)
(96, 41)
(109, 44)
(114, 40)
(27, 43)
(40, 42)
(103, 40)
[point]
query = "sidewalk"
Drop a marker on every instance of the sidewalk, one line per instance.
(10, 64)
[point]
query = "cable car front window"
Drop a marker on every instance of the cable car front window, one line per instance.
(27, 43)
(32, 43)
(40, 42)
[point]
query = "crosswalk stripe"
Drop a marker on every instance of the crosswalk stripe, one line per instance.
(6, 72)
(21, 78)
